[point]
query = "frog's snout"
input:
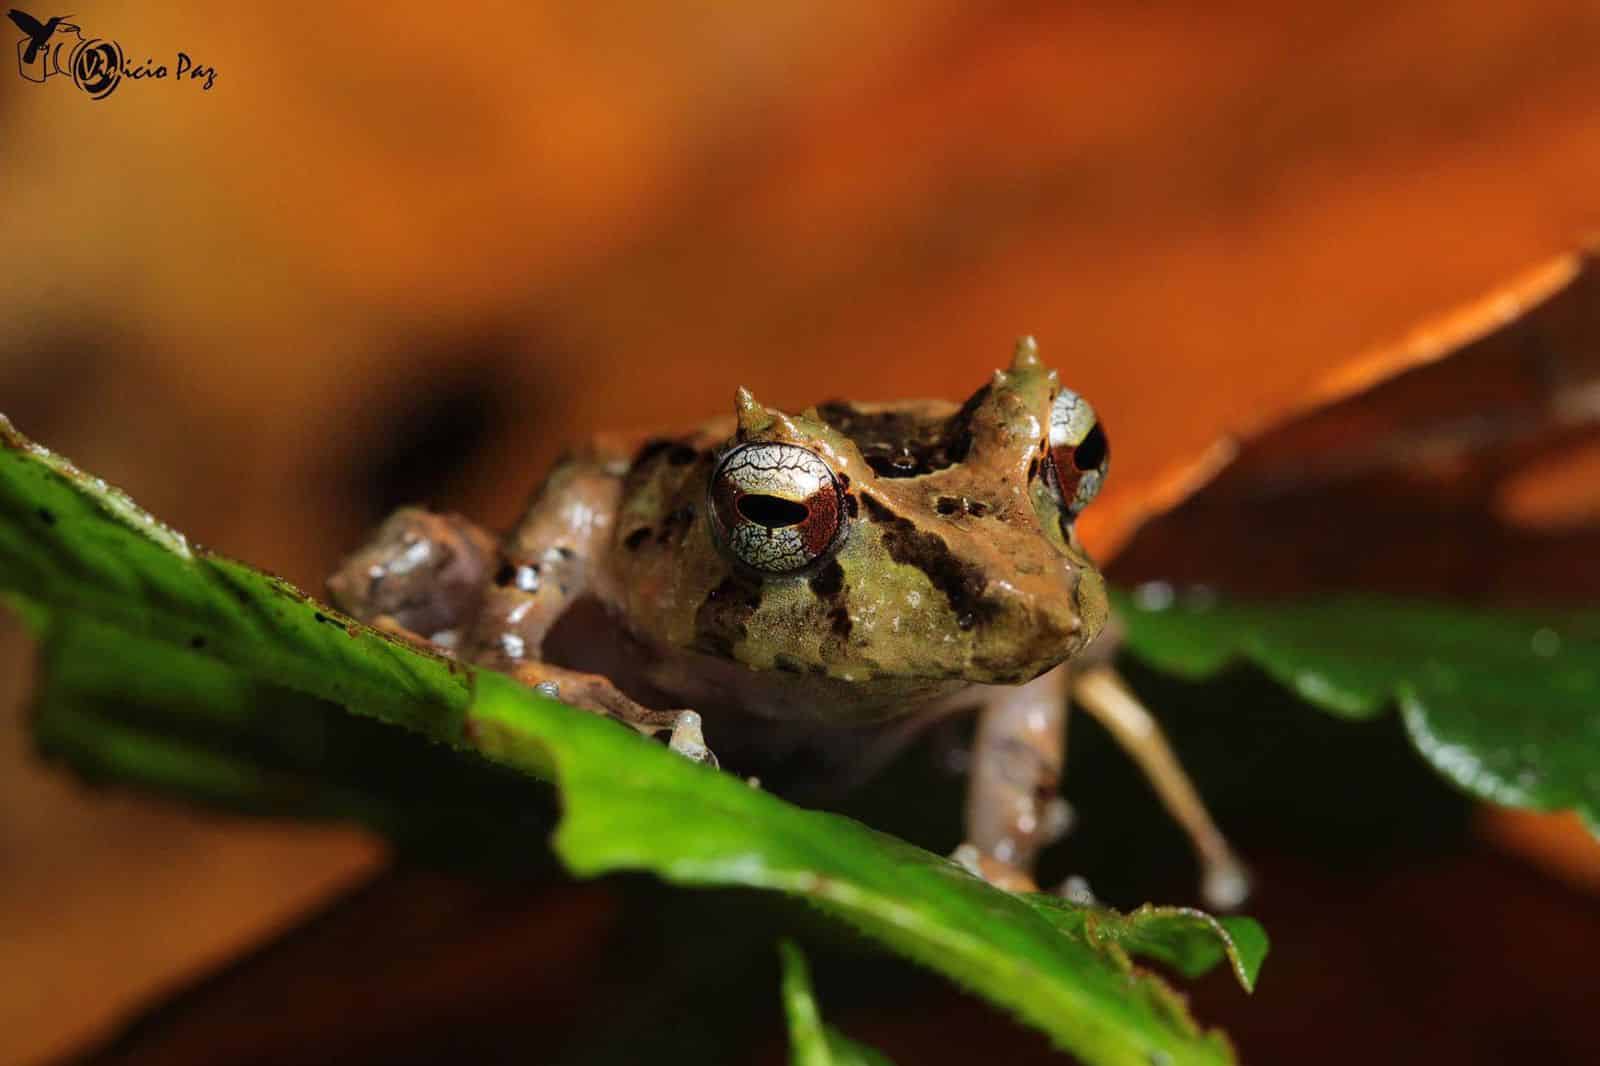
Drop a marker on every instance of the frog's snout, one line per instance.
(1029, 629)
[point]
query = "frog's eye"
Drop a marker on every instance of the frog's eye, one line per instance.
(1079, 452)
(776, 507)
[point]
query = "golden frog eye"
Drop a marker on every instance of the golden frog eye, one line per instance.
(776, 507)
(1079, 451)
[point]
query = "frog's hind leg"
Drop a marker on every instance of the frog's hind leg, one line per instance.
(548, 562)
(1100, 690)
(1013, 808)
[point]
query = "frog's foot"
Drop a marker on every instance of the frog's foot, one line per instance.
(419, 575)
(687, 739)
(997, 872)
(592, 692)
(1075, 889)
(1225, 884)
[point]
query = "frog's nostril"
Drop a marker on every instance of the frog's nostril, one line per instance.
(774, 512)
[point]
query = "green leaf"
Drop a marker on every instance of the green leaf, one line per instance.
(1505, 704)
(811, 1043)
(1188, 940)
(168, 665)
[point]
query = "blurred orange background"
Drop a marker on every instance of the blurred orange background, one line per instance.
(410, 251)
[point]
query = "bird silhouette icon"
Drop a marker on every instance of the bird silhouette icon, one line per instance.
(37, 32)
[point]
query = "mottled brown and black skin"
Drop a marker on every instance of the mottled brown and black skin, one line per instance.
(955, 567)
(955, 564)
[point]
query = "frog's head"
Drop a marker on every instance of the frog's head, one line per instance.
(911, 541)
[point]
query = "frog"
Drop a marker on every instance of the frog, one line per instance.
(853, 565)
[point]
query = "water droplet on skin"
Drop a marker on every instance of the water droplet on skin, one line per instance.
(1546, 643)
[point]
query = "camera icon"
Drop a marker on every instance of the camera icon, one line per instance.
(92, 64)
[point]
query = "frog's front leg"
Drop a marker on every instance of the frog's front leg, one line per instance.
(420, 575)
(554, 557)
(1013, 809)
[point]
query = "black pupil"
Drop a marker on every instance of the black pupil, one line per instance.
(772, 511)
(1092, 452)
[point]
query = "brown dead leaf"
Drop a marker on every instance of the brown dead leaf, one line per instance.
(1426, 484)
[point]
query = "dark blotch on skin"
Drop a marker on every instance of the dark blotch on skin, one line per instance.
(960, 582)
(788, 663)
(197, 642)
(636, 538)
(719, 623)
(46, 516)
(951, 505)
(319, 616)
(959, 433)
(682, 455)
(900, 444)
(829, 581)
(675, 522)
(649, 450)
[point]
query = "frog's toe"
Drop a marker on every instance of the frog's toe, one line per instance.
(1075, 889)
(997, 872)
(688, 739)
(1225, 885)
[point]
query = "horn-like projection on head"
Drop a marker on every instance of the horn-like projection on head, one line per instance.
(753, 418)
(1026, 354)
(758, 420)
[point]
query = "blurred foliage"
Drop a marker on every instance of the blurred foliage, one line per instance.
(813, 1043)
(1505, 705)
